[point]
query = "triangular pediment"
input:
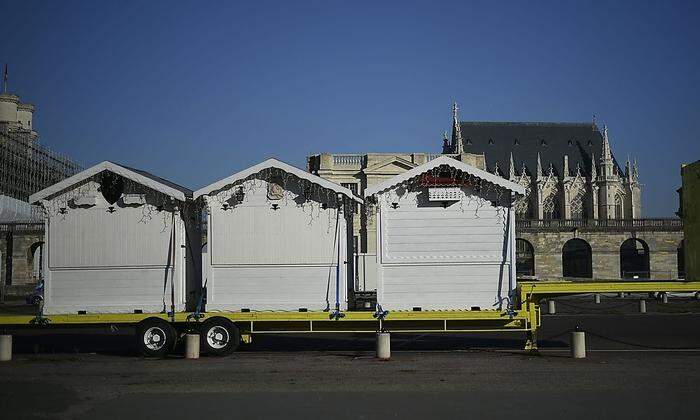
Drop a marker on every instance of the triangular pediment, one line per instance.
(390, 166)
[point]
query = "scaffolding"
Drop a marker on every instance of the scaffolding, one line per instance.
(27, 166)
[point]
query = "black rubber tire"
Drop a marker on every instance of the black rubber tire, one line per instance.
(225, 330)
(155, 337)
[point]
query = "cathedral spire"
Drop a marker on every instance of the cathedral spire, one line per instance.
(594, 171)
(539, 166)
(607, 153)
(628, 170)
(607, 165)
(512, 166)
(457, 143)
(635, 170)
(566, 166)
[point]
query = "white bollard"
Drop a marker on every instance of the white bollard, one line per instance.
(383, 346)
(578, 344)
(621, 294)
(551, 308)
(597, 298)
(192, 346)
(643, 306)
(665, 297)
(5, 348)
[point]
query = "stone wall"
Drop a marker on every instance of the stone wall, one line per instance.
(605, 251)
(19, 241)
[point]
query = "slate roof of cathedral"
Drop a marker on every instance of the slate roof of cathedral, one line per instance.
(496, 140)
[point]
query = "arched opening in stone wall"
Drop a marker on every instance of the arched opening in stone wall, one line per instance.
(524, 258)
(681, 259)
(36, 260)
(577, 259)
(634, 259)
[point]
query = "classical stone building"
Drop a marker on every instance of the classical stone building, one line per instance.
(581, 216)
(26, 167)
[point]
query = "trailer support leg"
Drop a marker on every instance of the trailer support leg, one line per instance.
(531, 342)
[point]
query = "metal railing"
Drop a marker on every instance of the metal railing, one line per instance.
(658, 224)
(21, 227)
(348, 159)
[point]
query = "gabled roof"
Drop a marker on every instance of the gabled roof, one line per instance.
(497, 140)
(142, 177)
(274, 163)
(396, 160)
(437, 162)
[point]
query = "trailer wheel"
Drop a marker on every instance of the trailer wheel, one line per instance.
(155, 337)
(219, 336)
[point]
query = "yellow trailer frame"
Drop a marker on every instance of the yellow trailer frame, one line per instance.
(530, 293)
(525, 317)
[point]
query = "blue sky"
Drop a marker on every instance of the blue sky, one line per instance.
(194, 91)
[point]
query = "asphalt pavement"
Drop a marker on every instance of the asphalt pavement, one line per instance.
(638, 366)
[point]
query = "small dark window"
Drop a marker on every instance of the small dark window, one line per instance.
(543, 143)
(517, 142)
(469, 141)
(571, 143)
(490, 141)
(590, 143)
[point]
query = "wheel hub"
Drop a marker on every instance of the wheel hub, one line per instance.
(154, 338)
(217, 337)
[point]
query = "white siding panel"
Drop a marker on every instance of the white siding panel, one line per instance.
(264, 288)
(442, 234)
(95, 237)
(253, 233)
(112, 290)
(441, 287)
(437, 257)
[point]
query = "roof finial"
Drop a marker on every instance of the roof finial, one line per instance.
(539, 166)
(512, 166)
(566, 166)
(594, 122)
(457, 144)
(594, 171)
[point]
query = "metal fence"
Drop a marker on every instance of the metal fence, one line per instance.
(659, 224)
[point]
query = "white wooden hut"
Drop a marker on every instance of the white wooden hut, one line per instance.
(279, 238)
(119, 240)
(445, 238)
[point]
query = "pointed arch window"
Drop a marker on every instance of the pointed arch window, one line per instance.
(578, 204)
(618, 207)
(550, 206)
